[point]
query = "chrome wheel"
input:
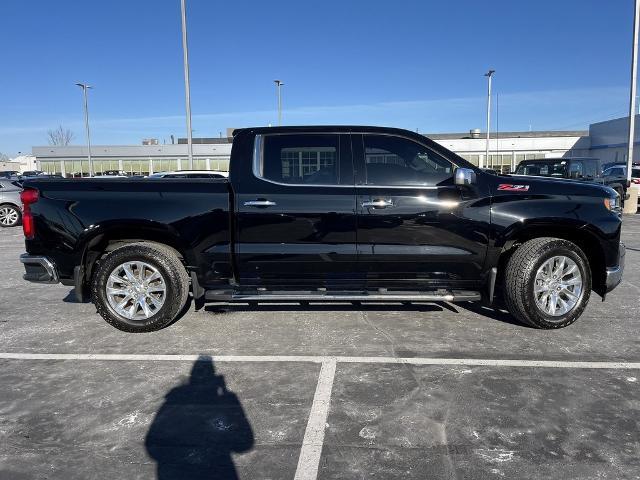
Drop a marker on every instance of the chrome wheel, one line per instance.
(8, 216)
(558, 286)
(136, 290)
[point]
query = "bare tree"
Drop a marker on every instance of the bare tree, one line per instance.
(60, 136)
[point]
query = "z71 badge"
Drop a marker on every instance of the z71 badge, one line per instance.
(513, 188)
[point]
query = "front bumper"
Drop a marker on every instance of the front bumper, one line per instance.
(39, 269)
(614, 274)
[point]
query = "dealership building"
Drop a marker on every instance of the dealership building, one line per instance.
(605, 140)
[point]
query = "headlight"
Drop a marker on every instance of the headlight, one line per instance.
(612, 203)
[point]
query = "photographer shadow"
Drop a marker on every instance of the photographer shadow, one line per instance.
(198, 427)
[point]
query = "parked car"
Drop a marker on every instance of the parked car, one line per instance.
(10, 204)
(327, 214)
(27, 175)
(32, 173)
(190, 174)
(103, 177)
(9, 173)
(619, 173)
(576, 168)
(114, 173)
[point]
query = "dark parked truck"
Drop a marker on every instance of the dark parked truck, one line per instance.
(574, 168)
(326, 214)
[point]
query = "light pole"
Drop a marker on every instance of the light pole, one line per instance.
(187, 87)
(279, 84)
(489, 76)
(84, 88)
(632, 93)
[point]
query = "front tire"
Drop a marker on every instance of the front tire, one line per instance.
(140, 287)
(547, 283)
(10, 215)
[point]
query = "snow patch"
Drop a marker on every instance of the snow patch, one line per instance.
(129, 420)
(367, 433)
(497, 455)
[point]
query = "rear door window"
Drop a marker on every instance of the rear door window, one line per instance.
(302, 159)
(546, 169)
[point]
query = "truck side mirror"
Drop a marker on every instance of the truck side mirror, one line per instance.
(464, 176)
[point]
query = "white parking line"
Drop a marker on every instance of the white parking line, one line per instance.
(325, 359)
(313, 440)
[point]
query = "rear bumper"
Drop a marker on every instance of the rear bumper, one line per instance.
(39, 269)
(614, 274)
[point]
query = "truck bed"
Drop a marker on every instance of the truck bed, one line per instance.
(189, 214)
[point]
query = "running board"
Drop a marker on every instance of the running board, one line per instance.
(322, 296)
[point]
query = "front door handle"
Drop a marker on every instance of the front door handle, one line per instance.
(378, 203)
(259, 203)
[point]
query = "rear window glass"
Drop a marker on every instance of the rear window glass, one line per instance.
(548, 169)
(301, 159)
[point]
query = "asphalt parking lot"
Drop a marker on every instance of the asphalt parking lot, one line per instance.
(318, 391)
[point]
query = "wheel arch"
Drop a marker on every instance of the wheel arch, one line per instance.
(104, 239)
(11, 204)
(582, 237)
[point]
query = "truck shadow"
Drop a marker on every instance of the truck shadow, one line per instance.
(197, 428)
(493, 313)
(71, 298)
(472, 307)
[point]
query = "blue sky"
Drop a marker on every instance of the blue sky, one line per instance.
(414, 64)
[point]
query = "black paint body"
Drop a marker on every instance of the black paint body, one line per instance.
(447, 236)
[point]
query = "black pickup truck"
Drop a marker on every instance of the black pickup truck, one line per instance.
(326, 214)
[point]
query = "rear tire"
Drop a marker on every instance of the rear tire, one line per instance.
(536, 293)
(10, 215)
(151, 283)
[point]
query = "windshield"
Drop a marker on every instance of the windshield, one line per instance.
(621, 171)
(551, 168)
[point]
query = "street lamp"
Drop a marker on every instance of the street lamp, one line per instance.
(84, 88)
(489, 76)
(279, 84)
(632, 91)
(187, 87)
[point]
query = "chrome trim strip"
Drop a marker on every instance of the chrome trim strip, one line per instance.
(350, 298)
(44, 262)
(259, 203)
(258, 162)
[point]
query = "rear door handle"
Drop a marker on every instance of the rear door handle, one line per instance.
(378, 203)
(259, 203)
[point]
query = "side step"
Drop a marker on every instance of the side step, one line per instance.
(323, 296)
